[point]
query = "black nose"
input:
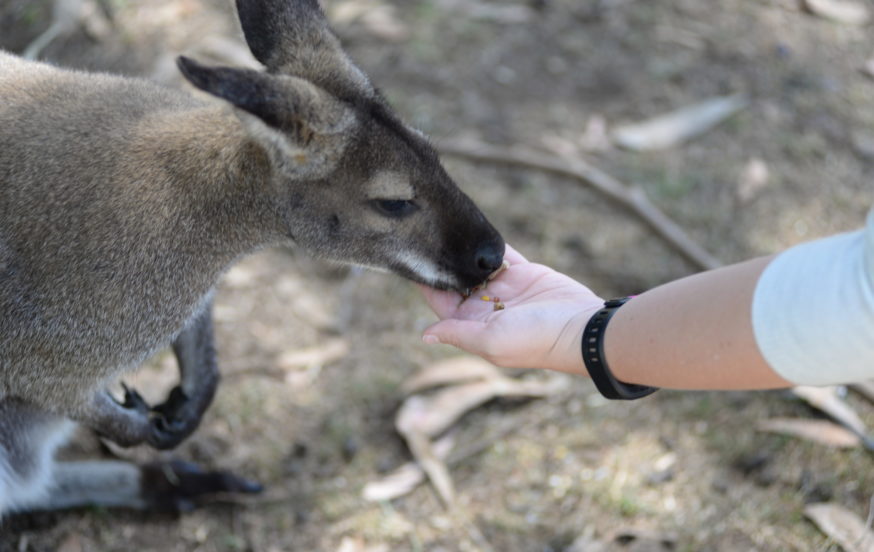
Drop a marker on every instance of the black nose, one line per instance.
(489, 258)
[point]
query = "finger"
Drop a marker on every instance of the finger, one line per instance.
(443, 303)
(513, 257)
(463, 334)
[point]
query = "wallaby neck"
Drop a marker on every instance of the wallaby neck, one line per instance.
(217, 177)
(142, 217)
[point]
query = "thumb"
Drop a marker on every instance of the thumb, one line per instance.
(464, 334)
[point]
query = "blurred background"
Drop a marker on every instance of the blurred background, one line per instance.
(314, 355)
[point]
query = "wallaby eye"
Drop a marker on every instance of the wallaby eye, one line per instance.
(396, 208)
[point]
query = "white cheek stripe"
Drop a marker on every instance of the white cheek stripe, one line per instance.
(424, 269)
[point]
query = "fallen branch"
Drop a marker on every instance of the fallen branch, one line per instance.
(632, 199)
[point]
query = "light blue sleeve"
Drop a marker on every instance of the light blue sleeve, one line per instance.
(813, 310)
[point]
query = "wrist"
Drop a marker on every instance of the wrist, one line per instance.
(593, 354)
(571, 361)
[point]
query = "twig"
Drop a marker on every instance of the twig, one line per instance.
(631, 198)
(67, 16)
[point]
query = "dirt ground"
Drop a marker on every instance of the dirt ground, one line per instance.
(552, 471)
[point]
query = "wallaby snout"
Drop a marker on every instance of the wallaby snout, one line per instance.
(489, 257)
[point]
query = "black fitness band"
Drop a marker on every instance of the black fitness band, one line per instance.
(593, 357)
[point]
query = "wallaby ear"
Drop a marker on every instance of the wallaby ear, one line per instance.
(269, 24)
(289, 104)
(293, 37)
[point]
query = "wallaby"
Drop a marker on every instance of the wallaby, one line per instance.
(122, 203)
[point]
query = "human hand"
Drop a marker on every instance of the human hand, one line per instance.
(541, 325)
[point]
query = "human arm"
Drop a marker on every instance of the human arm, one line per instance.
(806, 316)
(694, 333)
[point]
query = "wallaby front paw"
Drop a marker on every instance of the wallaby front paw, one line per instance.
(176, 486)
(174, 420)
(126, 423)
(165, 434)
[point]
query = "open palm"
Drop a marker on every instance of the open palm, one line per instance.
(540, 327)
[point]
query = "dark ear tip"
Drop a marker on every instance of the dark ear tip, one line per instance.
(185, 64)
(192, 71)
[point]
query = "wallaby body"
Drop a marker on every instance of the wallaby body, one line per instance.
(103, 258)
(121, 204)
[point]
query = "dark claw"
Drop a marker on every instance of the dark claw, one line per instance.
(176, 485)
(134, 400)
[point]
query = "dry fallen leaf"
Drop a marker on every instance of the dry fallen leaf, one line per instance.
(596, 137)
(842, 11)
(325, 353)
(865, 388)
(404, 479)
(678, 126)
(346, 12)
(432, 415)
(820, 431)
(586, 543)
(421, 418)
(378, 18)
(752, 180)
(842, 526)
(71, 543)
(384, 23)
(453, 370)
(434, 466)
(826, 400)
(350, 544)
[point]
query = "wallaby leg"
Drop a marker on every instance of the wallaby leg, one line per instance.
(31, 480)
(164, 486)
(28, 440)
(99, 483)
(127, 424)
(195, 353)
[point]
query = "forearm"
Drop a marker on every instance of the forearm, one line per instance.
(693, 333)
(804, 317)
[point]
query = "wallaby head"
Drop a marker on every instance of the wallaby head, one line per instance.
(351, 181)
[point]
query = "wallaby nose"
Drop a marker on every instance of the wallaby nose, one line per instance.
(489, 257)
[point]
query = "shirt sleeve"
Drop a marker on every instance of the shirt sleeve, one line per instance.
(813, 310)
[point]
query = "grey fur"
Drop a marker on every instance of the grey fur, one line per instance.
(122, 203)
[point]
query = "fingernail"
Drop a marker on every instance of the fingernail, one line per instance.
(430, 339)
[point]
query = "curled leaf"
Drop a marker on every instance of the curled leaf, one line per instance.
(827, 400)
(434, 466)
(432, 415)
(454, 370)
(407, 477)
(325, 353)
(842, 526)
(864, 388)
(678, 126)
